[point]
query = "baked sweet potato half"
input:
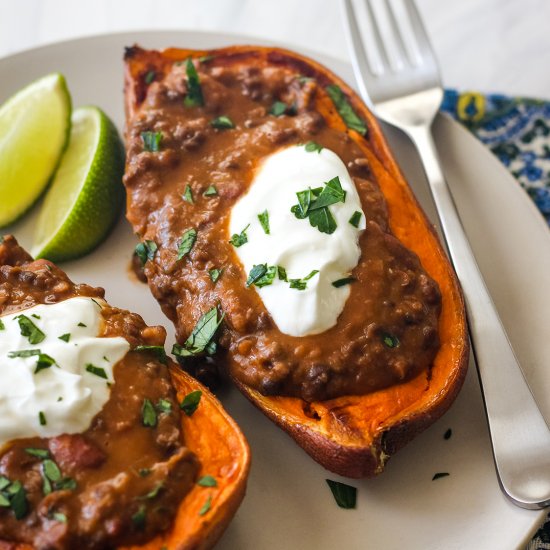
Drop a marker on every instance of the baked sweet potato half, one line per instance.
(142, 470)
(199, 126)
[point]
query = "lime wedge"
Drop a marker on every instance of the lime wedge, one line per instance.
(34, 129)
(86, 194)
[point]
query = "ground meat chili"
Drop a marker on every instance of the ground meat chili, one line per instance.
(124, 480)
(387, 332)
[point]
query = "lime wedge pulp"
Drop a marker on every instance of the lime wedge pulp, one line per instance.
(86, 194)
(34, 129)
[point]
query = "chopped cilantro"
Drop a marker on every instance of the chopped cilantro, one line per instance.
(30, 330)
(238, 239)
(151, 141)
(81, 324)
(65, 337)
(261, 275)
(206, 506)
(211, 191)
(188, 194)
(355, 218)
(146, 251)
(312, 146)
(390, 341)
(191, 402)
(139, 518)
(187, 242)
(278, 108)
(148, 414)
(207, 481)
(344, 495)
(44, 362)
(149, 77)
(202, 339)
(58, 516)
(164, 406)
(98, 371)
(157, 350)
(194, 96)
(301, 284)
(439, 475)
(263, 218)
(345, 110)
(222, 123)
(38, 453)
(2, 326)
(42, 418)
(342, 282)
(215, 274)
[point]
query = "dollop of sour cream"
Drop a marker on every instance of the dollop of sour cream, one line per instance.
(294, 244)
(41, 399)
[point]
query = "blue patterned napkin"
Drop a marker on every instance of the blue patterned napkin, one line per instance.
(517, 130)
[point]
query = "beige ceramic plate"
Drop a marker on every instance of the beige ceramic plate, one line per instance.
(288, 504)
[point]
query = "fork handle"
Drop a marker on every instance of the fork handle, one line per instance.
(519, 434)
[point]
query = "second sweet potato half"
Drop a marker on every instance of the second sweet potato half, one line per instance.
(353, 341)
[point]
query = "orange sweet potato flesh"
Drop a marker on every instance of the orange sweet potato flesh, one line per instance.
(223, 452)
(353, 435)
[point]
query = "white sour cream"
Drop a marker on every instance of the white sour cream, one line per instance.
(65, 395)
(294, 244)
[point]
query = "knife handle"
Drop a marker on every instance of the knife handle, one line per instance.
(519, 434)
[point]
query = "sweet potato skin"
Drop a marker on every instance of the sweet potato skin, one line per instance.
(352, 435)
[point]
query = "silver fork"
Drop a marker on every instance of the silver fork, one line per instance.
(400, 82)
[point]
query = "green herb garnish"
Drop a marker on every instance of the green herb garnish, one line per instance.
(344, 495)
(188, 195)
(98, 371)
(23, 353)
(261, 275)
(153, 493)
(202, 339)
(342, 282)
(439, 475)
(448, 434)
(211, 191)
(148, 414)
(345, 110)
(206, 506)
(215, 274)
(222, 123)
(144, 472)
(278, 108)
(191, 402)
(44, 362)
(281, 273)
(18, 500)
(164, 406)
(355, 218)
(314, 203)
(30, 330)
(2, 326)
(81, 324)
(194, 97)
(38, 453)
(390, 341)
(149, 77)
(159, 351)
(58, 516)
(187, 242)
(65, 337)
(207, 481)
(139, 518)
(42, 418)
(238, 239)
(151, 141)
(301, 284)
(146, 251)
(312, 146)
(263, 218)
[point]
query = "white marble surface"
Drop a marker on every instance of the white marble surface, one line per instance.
(489, 45)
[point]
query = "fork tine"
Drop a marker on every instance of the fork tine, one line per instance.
(359, 59)
(383, 52)
(397, 30)
(422, 39)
